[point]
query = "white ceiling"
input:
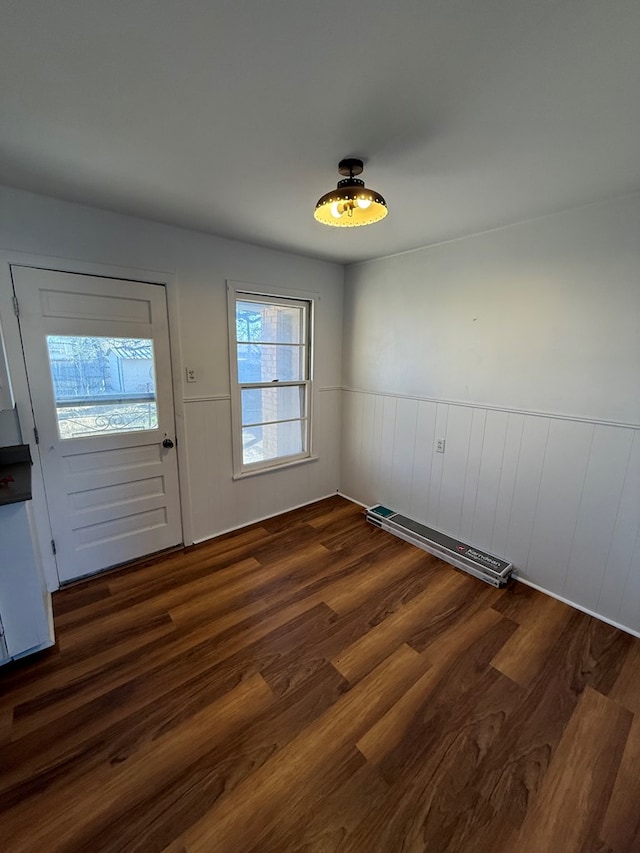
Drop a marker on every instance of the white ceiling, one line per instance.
(230, 116)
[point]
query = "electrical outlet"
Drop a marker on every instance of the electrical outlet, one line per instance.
(191, 374)
(440, 442)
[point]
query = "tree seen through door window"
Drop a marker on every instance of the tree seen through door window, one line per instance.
(102, 385)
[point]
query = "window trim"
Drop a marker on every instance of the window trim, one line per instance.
(235, 292)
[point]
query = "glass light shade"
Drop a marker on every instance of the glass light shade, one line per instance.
(351, 204)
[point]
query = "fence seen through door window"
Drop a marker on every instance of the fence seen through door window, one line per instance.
(102, 385)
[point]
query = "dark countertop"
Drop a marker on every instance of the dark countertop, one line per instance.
(15, 462)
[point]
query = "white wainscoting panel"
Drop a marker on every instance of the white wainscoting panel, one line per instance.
(447, 512)
(220, 503)
(558, 497)
(620, 593)
(604, 478)
(563, 473)
(422, 459)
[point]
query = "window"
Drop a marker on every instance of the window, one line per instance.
(102, 386)
(270, 379)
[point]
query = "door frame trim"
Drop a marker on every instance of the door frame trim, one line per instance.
(19, 387)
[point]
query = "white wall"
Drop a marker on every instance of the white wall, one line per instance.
(521, 347)
(201, 264)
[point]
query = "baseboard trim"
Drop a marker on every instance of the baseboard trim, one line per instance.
(353, 500)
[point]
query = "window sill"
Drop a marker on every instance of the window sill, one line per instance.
(244, 474)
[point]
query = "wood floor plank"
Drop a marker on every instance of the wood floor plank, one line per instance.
(340, 631)
(328, 822)
(570, 806)
(81, 596)
(210, 573)
(350, 592)
(18, 674)
(522, 658)
(125, 621)
(197, 608)
(116, 787)
(202, 574)
(230, 547)
(626, 689)
(621, 825)
(149, 703)
(330, 520)
(72, 670)
(353, 535)
(158, 820)
(517, 602)
(365, 653)
(395, 725)
(464, 681)
(516, 767)
(6, 725)
(253, 807)
(332, 510)
(192, 704)
(471, 599)
(392, 592)
(595, 845)
(305, 573)
(244, 623)
(433, 768)
(604, 653)
(164, 667)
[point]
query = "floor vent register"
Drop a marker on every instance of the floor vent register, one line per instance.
(472, 560)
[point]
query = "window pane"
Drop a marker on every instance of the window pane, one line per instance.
(260, 405)
(102, 385)
(262, 443)
(259, 321)
(266, 362)
(80, 421)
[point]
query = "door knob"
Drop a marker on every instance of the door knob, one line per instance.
(167, 443)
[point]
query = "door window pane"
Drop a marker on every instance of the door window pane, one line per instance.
(102, 386)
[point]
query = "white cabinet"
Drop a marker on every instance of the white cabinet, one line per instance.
(26, 620)
(6, 397)
(25, 604)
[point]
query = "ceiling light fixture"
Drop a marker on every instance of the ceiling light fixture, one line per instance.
(351, 203)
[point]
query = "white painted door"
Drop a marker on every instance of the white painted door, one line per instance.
(99, 370)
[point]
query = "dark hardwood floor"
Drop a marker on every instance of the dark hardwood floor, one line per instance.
(311, 683)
